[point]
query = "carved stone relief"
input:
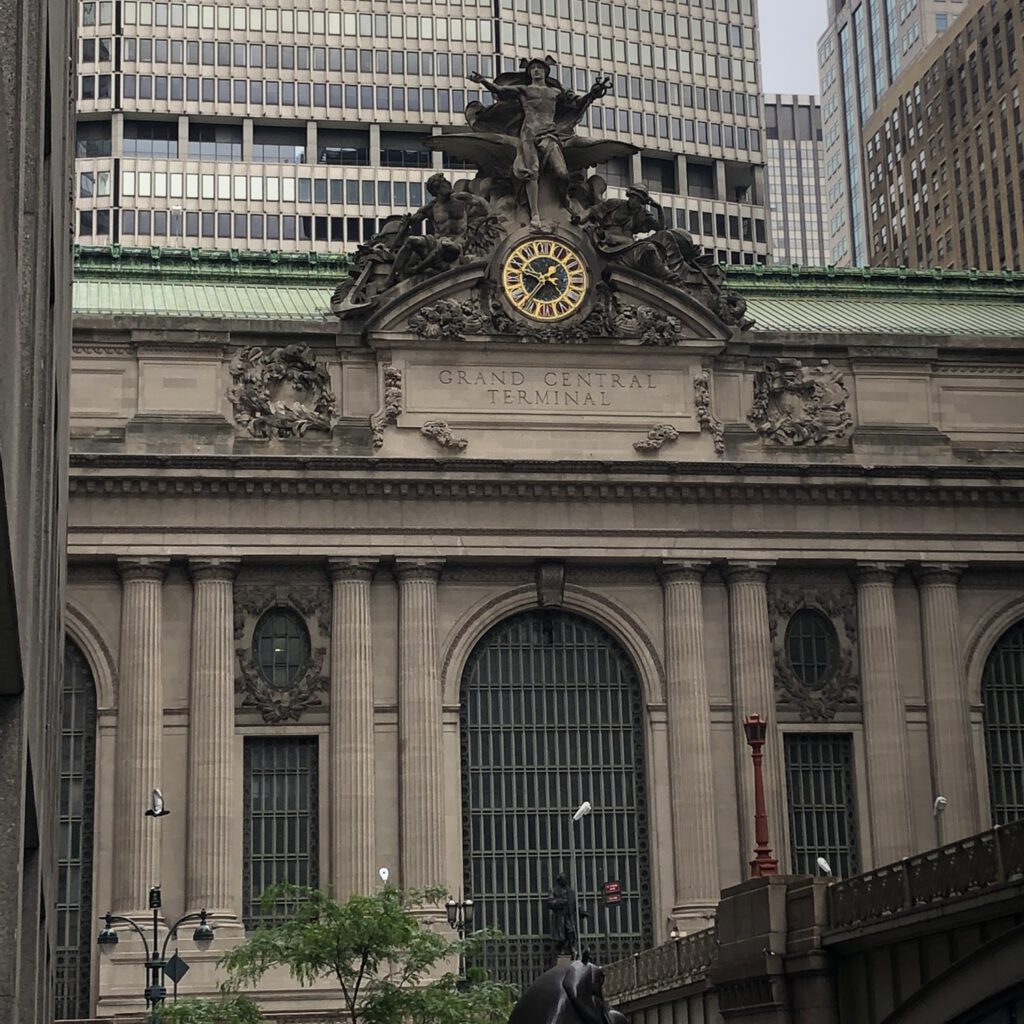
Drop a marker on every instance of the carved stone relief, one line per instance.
(705, 417)
(449, 320)
(550, 584)
(439, 431)
(284, 392)
(839, 687)
(796, 404)
(656, 437)
(391, 406)
(312, 603)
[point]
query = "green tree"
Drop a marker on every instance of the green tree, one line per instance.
(230, 1009)
(376, 949)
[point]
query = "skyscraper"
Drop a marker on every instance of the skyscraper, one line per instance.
(297, 127)
(860, 55)
(795, 164)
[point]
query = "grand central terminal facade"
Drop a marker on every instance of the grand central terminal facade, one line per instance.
(398, 574)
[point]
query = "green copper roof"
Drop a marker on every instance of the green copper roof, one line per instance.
(297, 286)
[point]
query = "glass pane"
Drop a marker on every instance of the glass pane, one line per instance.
(810, 646)
(280, 647)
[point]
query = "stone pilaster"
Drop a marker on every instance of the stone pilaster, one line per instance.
(139, 733)
(753, 692)
(213, 815)
(885, 717)
(695, 855)
(352, 762)
(949, 725)
(421, 798)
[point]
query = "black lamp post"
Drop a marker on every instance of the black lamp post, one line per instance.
(460, 918)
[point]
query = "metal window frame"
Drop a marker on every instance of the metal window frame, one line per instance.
(1002, 698)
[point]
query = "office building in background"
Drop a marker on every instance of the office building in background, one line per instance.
(795, 168)
(299, 126)
(945, 151)
(864, 48)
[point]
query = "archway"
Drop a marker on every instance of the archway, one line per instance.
(1002, 693)
(552, 715)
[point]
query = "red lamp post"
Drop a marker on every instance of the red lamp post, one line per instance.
(763, 864)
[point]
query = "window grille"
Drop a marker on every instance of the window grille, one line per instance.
(1002, 689)
(280, 646)
(822, 823)
(74, 855)
(810, 646)
(281, 821)
(552, 715)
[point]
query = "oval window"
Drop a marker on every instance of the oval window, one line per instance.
(811, 646)
(280, 647)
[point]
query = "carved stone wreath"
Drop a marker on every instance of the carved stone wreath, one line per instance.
(313, 605)
(840, 687)
(281, 393)
(796, 404)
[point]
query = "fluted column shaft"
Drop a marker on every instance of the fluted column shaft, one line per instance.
(689, 739)
(949, 725)
(420, 725)
(139, 733)
(212, 811)
(885, 717)
(753, 692)
(352, 756)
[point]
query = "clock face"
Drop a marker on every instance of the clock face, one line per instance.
(544, 279)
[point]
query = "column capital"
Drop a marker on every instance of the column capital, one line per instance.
(748, 572)
(131, 569)
(682, 570)
(354, 568)
(411, 569)
(221, 570)
(939, 572)
(876, 572)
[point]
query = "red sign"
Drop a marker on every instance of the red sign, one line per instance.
(612, 893)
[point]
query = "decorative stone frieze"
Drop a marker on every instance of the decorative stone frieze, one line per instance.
(439, 431)
(796, 404)
(391, 405)
(313, 604)
(705, 417)
(282, 393)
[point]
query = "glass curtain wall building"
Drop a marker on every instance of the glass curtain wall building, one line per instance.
(860, 55)
(298, 124)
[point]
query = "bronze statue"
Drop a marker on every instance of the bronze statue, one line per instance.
(568, 994)
(563, 905)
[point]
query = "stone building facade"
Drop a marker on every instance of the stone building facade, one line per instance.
(404, 591)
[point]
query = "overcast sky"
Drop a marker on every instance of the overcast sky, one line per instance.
(789, 43)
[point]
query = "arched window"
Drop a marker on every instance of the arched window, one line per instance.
(551, 715)
(811, 646)
(280, 647)
(1002, 693)
(75, 925)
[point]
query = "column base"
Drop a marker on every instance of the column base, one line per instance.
(693, 917)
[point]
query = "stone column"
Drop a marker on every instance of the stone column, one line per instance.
(695, 854)
(885, 717)
(139, 733)
(949, 724)
(352, 762)
(753, 692)
(420, 724)
(213, 811)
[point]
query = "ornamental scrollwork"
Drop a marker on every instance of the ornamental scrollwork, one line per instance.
(311, 603)
(440, 432)
(282, 393)
(449, 320)
(705, 417)
(656, 437)
(391, 405)
(796, 404)
(838, 687)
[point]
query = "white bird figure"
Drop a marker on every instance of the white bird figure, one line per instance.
(939, 806)
(582, 811)
(824, 865)
(157, 809)
(384, 875)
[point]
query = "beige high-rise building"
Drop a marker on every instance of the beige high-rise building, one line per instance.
(861, 53)
(945, 151)
(298, 126)
(36, 38)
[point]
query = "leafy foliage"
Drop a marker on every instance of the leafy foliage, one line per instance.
(376, 949)
(233, 1009)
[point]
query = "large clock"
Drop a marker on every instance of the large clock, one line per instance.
(544, 279)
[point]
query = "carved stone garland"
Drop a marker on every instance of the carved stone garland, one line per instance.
(656, 437)
(439, 431)
(796, 404)
(840, 688)
(313, 605)
(705, 417)
(281, 393)
(391, 407)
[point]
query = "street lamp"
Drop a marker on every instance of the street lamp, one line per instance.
(763, 864)
(460, 918)
(581, 812)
